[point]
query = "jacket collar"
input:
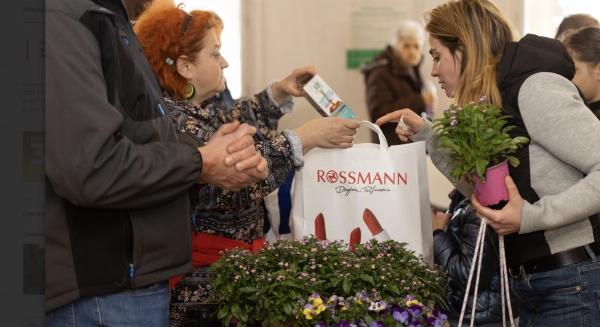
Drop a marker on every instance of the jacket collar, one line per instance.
(530, 55)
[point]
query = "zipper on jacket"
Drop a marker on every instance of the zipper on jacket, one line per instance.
(161, 110)
(194, 222)
(131, 255)
(131, 273)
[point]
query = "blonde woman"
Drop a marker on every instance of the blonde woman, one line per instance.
(549, 221)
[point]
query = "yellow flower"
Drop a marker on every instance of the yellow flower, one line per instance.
(317, 302)
(320, 308)
(308, 314)
(411, 302)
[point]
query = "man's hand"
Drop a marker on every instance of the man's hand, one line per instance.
(230, 160)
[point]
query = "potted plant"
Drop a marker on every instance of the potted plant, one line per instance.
(264, 288)
(478, 140)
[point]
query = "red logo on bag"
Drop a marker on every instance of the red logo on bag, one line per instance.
(331, 176)
(361, 177)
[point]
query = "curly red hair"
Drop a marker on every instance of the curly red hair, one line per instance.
(163, 35)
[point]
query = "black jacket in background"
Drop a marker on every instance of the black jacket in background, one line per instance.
(453, 251)
(391, 85)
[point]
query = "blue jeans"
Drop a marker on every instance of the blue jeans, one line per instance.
(131, 308)
(567, 296)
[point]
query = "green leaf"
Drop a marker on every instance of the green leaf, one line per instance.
(521, 140)
(480, 168)
(223, 312)
(235, 310)
(368, 279)
(346, 287)
(244, 317)
(288, 309)
(513, 161)
(248, 289)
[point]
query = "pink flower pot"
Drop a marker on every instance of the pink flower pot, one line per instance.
(493, 190)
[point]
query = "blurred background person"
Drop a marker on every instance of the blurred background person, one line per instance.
(584, 47)
(572, 23)
(393, 80)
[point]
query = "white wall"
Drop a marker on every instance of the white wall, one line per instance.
(542, 17)
(278, 35)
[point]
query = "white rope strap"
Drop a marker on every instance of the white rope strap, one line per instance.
(504, 286)
(506, 289)
(502, 280)
(481, 246)
(475, 256)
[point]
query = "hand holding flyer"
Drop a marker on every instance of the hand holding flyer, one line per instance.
(325, 100)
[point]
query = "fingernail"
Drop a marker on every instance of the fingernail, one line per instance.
(228, 160)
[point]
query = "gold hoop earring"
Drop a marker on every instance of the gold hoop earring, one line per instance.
(190, 91)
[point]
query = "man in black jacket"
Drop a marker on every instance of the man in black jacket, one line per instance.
(117, 175)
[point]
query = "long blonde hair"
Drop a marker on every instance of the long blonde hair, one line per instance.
(478, 30)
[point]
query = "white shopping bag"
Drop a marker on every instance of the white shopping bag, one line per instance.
(370, 189)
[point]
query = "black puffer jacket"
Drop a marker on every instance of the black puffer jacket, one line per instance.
(453, 251)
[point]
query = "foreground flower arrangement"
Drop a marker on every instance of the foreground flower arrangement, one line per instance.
(364, 310)
(268, 288)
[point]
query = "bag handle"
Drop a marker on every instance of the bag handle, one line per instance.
(383, 145)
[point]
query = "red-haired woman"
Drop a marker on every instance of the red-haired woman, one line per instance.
(183, 50)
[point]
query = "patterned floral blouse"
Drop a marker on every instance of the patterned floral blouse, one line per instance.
(238, 215)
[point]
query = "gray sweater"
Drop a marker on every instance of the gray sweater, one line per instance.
(564, 158)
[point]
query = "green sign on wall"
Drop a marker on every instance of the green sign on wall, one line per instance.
(356, 57)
